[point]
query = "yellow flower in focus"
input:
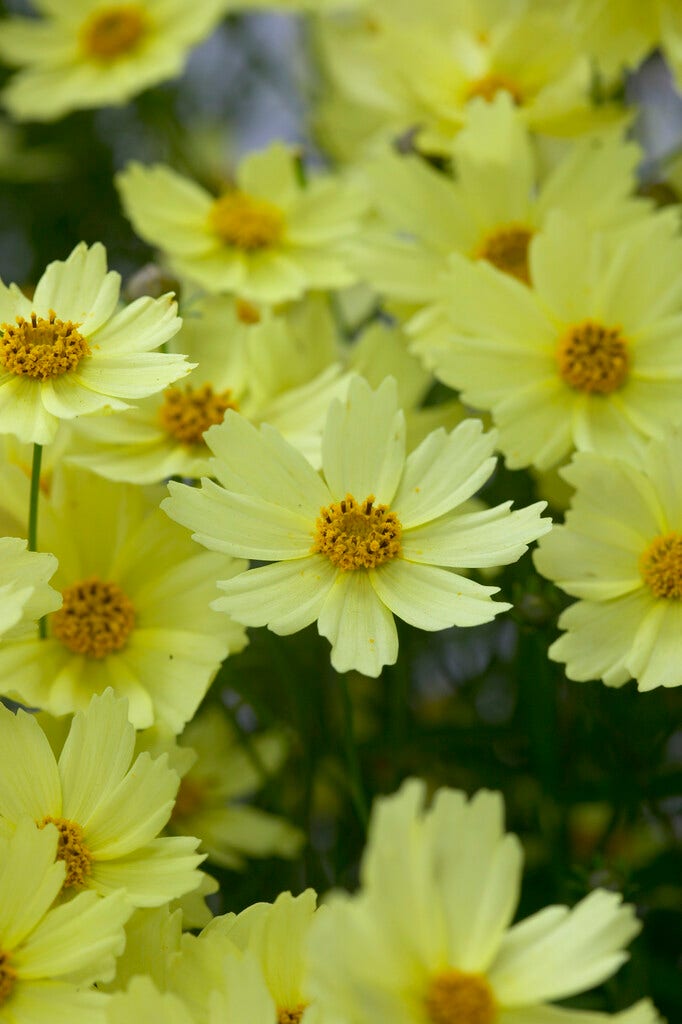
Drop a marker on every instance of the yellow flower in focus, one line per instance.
(589, 358)
(50, 955)
(69, 351)
(94, 53)
(135, 614)
(107, 808)
(380, 534)
(25, 594)
(269, 238)
(427, 939)
(620, 553)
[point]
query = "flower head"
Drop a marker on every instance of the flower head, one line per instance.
(378, 535)
(68, 351)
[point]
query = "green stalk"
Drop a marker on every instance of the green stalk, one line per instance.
(357, 789)
(33, 514)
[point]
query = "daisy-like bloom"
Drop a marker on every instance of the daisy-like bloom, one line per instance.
(268, 238)
(494, 207)
(25, 594)
(621, 33)
(376, 535)
(427, 939)
(620, 553)
(51, 955)
(135, 612)
(216, 777)
(94, 53)
(107, 808)
(423, 66)
(252, 361)
(69, 350)
(590, 358)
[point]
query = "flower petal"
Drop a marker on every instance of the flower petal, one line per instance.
(358, 625)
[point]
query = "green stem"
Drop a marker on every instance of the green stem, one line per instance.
(357, 789)
(33, 514)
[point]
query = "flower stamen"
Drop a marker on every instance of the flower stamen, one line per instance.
(114, 32)
(187, 414)
(488, 87)
(71, 849)
(455, 997)
(661, 566)
(291, 1016)
(41, 348)
(246, 223)
(8, 977)
(96, 618)
(507, 249)
(593, 358)
(357, 536)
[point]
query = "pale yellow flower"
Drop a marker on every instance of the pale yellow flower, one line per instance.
(25, 594)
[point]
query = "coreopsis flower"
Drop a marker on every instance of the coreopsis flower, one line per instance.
(620, 553)
(427, 939)
(108, 809)
(268, 238)
(494, 206)
(249, 360)
(587, 359)
(135, 612)
(69, 350)
(94, 53)
(377, 534)
(217, 775)
(25, 594)
(422, 66)
(50, 955)
(621, 33)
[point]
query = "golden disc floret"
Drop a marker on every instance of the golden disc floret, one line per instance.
(96, 618)
(507, 249)
(71, 849)
(455, 997)
(114, 31)
(8, 977)
(41, 348)
(246, 223)
(661, 566)
(593, 358)
(190, 798)
(357, 535)
(247, 313)
(188, 412)
(291, 1016)
(488, 87)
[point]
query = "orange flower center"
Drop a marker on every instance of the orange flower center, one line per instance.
(357, 536)
(507, 249)
(41, 348)
(455, 997)
(96, 618)
(246, 223)
(187, 414)
(661, 566)
(247, 313)
(114, 31)
(189, 799)
(8, 976)
(290, 1016)
(71, 849)
(489, 86)
(593, 358)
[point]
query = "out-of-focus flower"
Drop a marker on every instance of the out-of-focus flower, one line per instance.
(25, 594)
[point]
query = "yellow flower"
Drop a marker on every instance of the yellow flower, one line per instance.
(427, 939)
(135, 612)
(142, 1002)
(51, 955)
(378, 535)
(25, 594)
(68, 351)
(267, 239)
(620, 553)
(588, 359)
(93, 53)
(107, 808)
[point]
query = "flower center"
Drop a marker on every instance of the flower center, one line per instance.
(186, 414)
(71, 849)
(7, 977)
(455, 997)
(593, 358)
(354, 536)
(246, 223)
(247, 313)
(96, 618)
(489, 86)
(293, 1016)
(507, 249)
(661, 565)
(114, 31)
(189, 799)
(41, 348)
